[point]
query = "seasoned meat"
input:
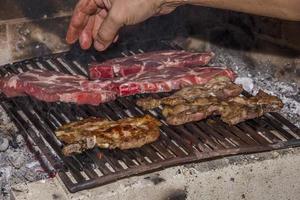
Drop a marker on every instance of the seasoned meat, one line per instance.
(123, 134)
(220, 87)
(232, 111)
(146, 62)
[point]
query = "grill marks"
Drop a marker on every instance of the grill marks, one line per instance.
(125, 133)
(177, 145)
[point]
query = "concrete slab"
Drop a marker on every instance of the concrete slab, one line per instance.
(271, 175)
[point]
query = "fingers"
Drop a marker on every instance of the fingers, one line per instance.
(85, 38)
(98, 21)
(107, 32)
(80, 18)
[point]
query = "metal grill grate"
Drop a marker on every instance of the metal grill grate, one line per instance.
(191, 142)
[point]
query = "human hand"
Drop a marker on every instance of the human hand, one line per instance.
(98, 21)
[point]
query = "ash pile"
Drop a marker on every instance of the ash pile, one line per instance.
(17, 163)
(255, 74)
(276, 72)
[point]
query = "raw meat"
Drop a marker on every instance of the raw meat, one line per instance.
(165, 80)
(220, 87)
(145, 62)
(54, 86)
(124, 134)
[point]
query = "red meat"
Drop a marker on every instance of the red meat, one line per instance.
(165, 80)
(51, 86)
(152, 61)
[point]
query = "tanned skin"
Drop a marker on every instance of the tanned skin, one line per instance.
(97, 22)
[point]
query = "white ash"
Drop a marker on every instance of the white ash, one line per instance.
(22, 166)
(17, 163)
(262, 75)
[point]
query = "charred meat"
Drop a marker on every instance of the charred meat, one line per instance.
(232, 111)
(220, 87)
(123, 134)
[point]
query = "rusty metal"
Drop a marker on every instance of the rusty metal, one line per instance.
(177, 145)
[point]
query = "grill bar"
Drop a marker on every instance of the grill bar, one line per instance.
(191, 142)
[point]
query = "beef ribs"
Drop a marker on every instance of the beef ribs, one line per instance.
(51, 86)
(123, 134)
(145, 62)
(221, 87)
(232, 111)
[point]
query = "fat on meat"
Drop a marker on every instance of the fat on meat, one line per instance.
(51, 86)
(145, 62)
(165, 80)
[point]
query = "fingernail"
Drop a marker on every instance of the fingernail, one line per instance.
(99, 46)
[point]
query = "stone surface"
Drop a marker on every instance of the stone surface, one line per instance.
(291, 33)
(5, 55)
(37, 38)
(34, 9)
(261, 176)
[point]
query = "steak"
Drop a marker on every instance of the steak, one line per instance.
(165, 80)
(221, 87)
(145, 62)
(51, 86)
(232, 111)
(123, 134)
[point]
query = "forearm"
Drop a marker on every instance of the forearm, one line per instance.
(283, 9)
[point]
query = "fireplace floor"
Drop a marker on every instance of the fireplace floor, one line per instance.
(269, 175)
(262, 78)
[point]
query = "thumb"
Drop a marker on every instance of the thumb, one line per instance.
(107, 32)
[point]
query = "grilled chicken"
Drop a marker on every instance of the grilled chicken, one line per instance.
(232, 111)
(220, 87)
(123, 134)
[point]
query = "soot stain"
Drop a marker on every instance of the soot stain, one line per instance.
(178, 195)
(156, 179)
